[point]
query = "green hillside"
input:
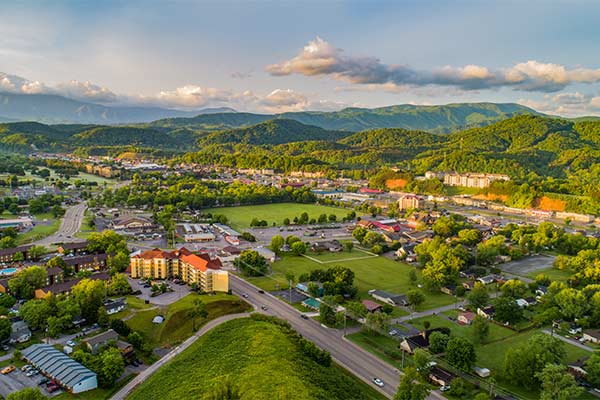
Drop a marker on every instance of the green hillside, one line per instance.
(439, 119)
(257, 358)
(275, 131)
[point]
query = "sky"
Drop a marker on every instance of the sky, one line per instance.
(286, 55)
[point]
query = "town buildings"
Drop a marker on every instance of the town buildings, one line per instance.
(183, 264)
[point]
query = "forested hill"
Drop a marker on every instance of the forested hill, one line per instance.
(437, 119)
(275, 131)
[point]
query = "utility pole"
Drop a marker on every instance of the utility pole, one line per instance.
(290, 291)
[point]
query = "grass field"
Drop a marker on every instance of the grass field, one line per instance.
(553, 273)
(257, 357)
(240, 217)
(82, 176)
(46, 225)
(178, 325)
(370, 273)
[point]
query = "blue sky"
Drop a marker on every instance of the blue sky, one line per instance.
(297, 55)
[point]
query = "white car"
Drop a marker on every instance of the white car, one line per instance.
(378, 382)
(71, 343)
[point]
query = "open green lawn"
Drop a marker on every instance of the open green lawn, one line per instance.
(240, 217)
(370, 273)
(261, 360)
(496, 332)
(41, 230)
(178, 325)
(554, 274)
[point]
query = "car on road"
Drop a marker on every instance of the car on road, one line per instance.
(261, 291)
(264, 308)
(8, 369)
(303, 316)
(245, 295)
(445, 388)
(378, 382)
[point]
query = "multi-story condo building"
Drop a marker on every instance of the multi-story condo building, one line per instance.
(473, 180)
(183, 264)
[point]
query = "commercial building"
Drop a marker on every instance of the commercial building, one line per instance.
(473, 180)
(410, 201)
(183, 264)
(58, 366)
(195, 232)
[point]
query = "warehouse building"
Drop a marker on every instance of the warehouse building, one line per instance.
(58, 366)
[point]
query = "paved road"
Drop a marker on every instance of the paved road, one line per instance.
(356, 360)
(122, 394)
(569, 341)
(69, 226)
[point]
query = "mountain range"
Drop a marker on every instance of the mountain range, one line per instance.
(55, 109)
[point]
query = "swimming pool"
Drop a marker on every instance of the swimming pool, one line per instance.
(7, 271)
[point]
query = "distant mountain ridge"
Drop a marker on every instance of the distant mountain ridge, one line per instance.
(55, 109)
(437, 119)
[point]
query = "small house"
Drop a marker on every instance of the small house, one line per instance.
(440, 376)
(449, 290)
(95, 342)
(466, 318)
(388, 298)
(487, 312)
(592, 335)
(114, 306)
(371, 306)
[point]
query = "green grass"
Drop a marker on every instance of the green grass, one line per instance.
(380, 346)
(554, 274)
(240, 217)
(492, 356)
(496, 332)
(257, 357)
(178, 325)
(371, 273)
(40, 231)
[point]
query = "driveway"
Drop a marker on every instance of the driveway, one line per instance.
(179, 291)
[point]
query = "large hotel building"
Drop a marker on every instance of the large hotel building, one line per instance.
(182, 264)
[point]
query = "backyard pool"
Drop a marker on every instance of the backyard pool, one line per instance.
(7, 271)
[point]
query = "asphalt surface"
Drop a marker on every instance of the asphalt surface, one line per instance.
(69, 226)
(362, 364)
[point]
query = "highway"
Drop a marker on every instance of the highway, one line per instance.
(69, 226)
(362, 364)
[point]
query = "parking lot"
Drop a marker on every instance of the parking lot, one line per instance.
(264, 235)
(178, 292)
(17, 380)
(528, 264)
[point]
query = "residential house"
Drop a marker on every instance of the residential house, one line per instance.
(333, 246)
(577, 368)
(592, 335)
(96, 342)
(388, 298)
(411, 343)
(114, 306)
(449, 290)
(371, 306)
(191, 268)
(469, 285)
(487, 312)
(541, 290)
(487, 280)
(440, 376)
(406, 250)
(466, 318)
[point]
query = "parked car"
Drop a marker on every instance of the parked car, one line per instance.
(43, 381)
(8, 370)
(53, 388)
(445, 388)
(71, 343)
(32, 372)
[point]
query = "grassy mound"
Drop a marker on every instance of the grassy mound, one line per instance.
(259, 359)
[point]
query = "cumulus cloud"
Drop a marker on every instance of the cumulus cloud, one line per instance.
(189, 97)
(320, 58)
(565, 104)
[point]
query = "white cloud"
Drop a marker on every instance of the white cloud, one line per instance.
(320, 58)
(190, 97)
(565, 104)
